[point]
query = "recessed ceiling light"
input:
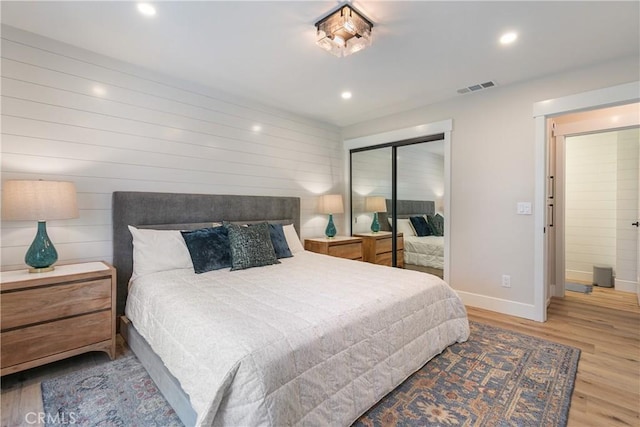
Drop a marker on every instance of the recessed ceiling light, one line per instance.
(256, 128)
(146, 9)
(346, 95)
(508, 38)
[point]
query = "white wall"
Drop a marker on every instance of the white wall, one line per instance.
(493, 168)
(590, 204)
(70, 114)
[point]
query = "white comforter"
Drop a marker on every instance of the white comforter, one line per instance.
(313, 341)
(427, 251)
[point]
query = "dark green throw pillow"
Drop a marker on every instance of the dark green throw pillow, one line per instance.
(250, 246)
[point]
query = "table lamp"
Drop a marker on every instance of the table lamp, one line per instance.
(375, 204)
(40, 201)
(330, 204)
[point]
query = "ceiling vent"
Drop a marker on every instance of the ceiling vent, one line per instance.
(477, 87)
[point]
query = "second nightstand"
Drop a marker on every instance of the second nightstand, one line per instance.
(339, 246)
(377, 248)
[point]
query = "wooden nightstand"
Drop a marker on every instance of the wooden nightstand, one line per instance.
(339, 246)
(377, 248)
(51, 316)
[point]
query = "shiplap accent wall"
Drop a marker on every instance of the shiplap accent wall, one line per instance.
(71, 114)
(590, 213)
(628, 182)
(420, 177)
(602, 202)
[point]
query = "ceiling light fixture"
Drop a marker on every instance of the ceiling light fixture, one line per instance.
(508, 38)
(344, 31)
(346, 95)
(146, 9)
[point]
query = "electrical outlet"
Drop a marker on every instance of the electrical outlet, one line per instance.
(506, 281)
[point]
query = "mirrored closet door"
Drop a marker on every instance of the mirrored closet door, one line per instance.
(420, 205)
(397, 203)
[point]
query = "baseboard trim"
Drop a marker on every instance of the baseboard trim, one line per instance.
(499, 305)
(626, 286)
(580, 276)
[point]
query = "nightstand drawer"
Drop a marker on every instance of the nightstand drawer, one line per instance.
(349, 250)
(42, 304)
(385, 245)
(377, 248)
(385, 258)
(35, 342)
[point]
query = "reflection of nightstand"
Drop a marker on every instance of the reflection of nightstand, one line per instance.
(377, 248)
(58, 314)
(339, 246)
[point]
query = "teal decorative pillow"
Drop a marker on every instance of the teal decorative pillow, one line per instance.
(209, 248)
(437, 224)
(250, 246)
(279, 242)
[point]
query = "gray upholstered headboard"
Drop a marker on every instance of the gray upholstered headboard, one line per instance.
(142, 208)
(406, 209)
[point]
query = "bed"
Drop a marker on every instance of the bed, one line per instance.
(421, 253)
(311, 340)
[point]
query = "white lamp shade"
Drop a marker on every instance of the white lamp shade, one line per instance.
(331, 204)
(38, 200)
(375, 204)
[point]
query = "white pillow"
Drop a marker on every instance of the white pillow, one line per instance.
(295, 245)
(158, 250)
(405, 227)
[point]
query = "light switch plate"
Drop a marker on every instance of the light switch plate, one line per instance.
(524, 208)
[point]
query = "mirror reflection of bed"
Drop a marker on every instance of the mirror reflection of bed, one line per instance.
(424, 252)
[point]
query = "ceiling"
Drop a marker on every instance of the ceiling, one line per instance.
(422, 51)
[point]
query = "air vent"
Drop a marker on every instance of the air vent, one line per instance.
(477, 87)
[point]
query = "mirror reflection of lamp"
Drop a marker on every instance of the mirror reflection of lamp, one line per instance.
(40, 201)
(375, 204)
(331, 204)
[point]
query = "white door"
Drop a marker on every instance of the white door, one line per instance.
(637, 224)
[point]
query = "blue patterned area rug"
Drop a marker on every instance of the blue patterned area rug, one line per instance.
(496, 378)
(113, 394)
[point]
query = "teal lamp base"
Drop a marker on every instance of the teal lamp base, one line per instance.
(330, 231)
(41, 254)
(375, 225)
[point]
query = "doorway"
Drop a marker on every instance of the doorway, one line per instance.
(593, 197)
(543, 110)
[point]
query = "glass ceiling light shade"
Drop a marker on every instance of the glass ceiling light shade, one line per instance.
(344, 31)
(375, 204)
(330, 204)
(39, 201)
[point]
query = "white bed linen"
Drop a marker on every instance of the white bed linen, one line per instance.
(315, 340)
(426, 251)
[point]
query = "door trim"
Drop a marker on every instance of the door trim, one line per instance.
(615, 95)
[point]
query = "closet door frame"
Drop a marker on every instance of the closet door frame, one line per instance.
(412, 135)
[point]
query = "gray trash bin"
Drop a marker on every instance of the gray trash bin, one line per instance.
(603, 276)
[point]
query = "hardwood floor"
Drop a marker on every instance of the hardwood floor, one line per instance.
(605, 325)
